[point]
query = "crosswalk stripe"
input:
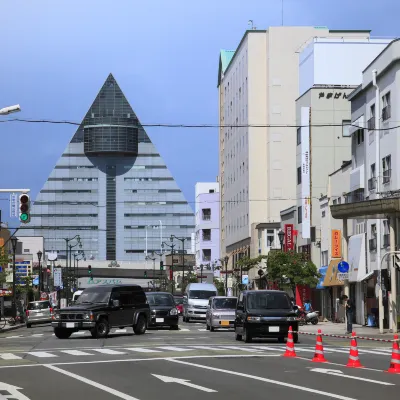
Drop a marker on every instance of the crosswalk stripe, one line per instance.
(80, 333)
(108, 351)
(202, 330)
(41, 354)
(172, 348)
(249, 349)
(38, 334)
(76, 352)
(120, 331)
(208, 348)
(9, 356)
(142, 350)
(184, 330)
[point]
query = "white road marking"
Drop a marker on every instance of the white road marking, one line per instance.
(337, 372)
(172, 348)
(120, 331)
(142, 350)
(92, 383)
(251, 350)
(185, 382)
(37, 334)
(108, 351)
(13, 337)
(9, 356)
(76, 353)
(79, 333)
(13, 391)
(41, 354)
(184, 330)
(202, 330)
(209, 348)
(259, 378)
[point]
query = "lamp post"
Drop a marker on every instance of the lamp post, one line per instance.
(226, 259)
(14, 241)
(39, 256)
(68, 268)
(281, 236)
(154, 269)
(171, 246)
(182, 240)
(201, 272)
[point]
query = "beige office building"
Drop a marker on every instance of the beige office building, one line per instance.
(258, 84)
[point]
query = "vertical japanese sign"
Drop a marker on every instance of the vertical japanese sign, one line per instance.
(305, 173)
(13, 205)
(289, 242)
(336, 244)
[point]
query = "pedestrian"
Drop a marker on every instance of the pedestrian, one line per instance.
(307, 306)
(349, 307)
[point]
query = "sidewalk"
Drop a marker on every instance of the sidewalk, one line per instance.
(331, 328)
(11, 327)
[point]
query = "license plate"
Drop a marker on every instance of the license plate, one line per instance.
(70, 325)
(225, 323)
(274, 328)
(159, 319)
(39, 314)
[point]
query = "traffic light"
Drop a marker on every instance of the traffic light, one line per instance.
(24, 208)
(161, 265)
(89, 269)
(145, 274)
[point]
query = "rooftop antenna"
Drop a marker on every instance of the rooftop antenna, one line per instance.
(282, 11)
(251, 24)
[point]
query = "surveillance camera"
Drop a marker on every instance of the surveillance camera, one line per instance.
(10, 110)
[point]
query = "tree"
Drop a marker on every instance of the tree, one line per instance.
(220, 285)
(245, 264)
(290, 269)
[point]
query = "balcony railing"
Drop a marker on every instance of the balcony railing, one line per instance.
(206, 258)
(372, 184)
(206, 217)
(386, 113)
(386, 240)
(371, 124)
(372, 244)
(354, 197)
(387, 173)
(206, 238)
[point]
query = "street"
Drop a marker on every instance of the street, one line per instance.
(192, 361)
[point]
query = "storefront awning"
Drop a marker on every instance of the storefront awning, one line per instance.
(322, 271)
(366, 276)
(331, 278)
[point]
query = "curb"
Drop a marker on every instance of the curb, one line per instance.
(12, 328)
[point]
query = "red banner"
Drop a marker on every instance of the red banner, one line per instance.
(289, 241)
(303, 293)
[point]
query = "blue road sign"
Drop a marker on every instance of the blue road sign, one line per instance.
(343, 267)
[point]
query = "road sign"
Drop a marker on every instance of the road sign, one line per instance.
(57, 275)
(184, 382)
(343, 267)
(245, 279)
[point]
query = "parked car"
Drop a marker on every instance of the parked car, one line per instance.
(38, 312)
(163, 311)
(100, 308)
(221, 312)
(179, 304)
(195, 300)
(265, 313)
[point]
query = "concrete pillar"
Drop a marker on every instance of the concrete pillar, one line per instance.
(393, 273)
(345, 255)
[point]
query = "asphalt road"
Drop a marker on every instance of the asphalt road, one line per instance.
(193, 362)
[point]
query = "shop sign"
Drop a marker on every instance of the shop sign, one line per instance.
(336, 243)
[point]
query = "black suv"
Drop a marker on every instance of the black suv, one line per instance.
(100, 308)
(265, 313)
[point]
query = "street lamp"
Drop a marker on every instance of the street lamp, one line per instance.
(226, 259)
(14, 241)
(171, 246)
(154, 269)
(201, 271)
(39, 256)
(182, 240)
(281, 236)
(10, 109)
(67, 286)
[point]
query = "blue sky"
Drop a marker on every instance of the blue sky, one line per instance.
(55, 55)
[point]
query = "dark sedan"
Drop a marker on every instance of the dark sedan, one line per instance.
(163, 311)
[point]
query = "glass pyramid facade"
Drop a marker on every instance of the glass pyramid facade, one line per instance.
(111, 187)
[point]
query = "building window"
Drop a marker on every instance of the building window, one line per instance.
(386, 233)
(298, 175)
(270, 237)
(372, 241)
(206, 254)
(334, 202)
(299, 215)
(371, 121)
(206, 214)
(206, 235)
(346, 128)
(323, 214)
(386, 112)
(298, 136)
(360, 136)
(386, 169)
(372, 180)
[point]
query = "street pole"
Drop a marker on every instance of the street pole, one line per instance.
(226, 275)
(66, 287)
(39, 256)
(14, 241)
(154, 273)
(201, 271)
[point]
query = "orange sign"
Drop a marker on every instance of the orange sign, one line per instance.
(336, 243)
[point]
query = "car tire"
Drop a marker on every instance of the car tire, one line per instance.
(207, 327)
(101, 330)
(174, 327)
(140, 327)
(246, 337)
(62, 333)
(29, 326)
(238, 337)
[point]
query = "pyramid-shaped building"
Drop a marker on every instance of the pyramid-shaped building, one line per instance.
(111, 187)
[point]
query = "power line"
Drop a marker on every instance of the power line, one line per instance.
(213, 126)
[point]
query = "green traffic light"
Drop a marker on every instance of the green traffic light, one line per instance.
(24, 217)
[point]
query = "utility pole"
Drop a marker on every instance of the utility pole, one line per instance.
(14, 241)
(171, 246)
(182, 240)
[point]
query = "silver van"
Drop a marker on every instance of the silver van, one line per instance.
(221, 312)
(38, 312)
(195, 300)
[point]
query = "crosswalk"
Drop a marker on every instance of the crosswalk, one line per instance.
(157, 350)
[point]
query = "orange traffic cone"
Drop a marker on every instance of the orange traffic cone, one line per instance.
(319, 349)
(290, 352)
(354, 361)
(395, 361)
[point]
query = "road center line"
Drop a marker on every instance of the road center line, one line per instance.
(342, 365)
(92, 383)
(259, 378)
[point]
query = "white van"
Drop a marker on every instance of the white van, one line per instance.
(195, 300)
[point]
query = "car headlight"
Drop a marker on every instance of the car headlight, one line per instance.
(88, 316)
(173, 311)
(253, 319)
(56, 316)
(153, 312)
(216, 315)
(291, 319)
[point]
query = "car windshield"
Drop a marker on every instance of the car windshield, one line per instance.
(178, 300)
(160, 300)
(225, 304)
(93, 297)
(271, 301)
(201, 294)
(40, 305)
